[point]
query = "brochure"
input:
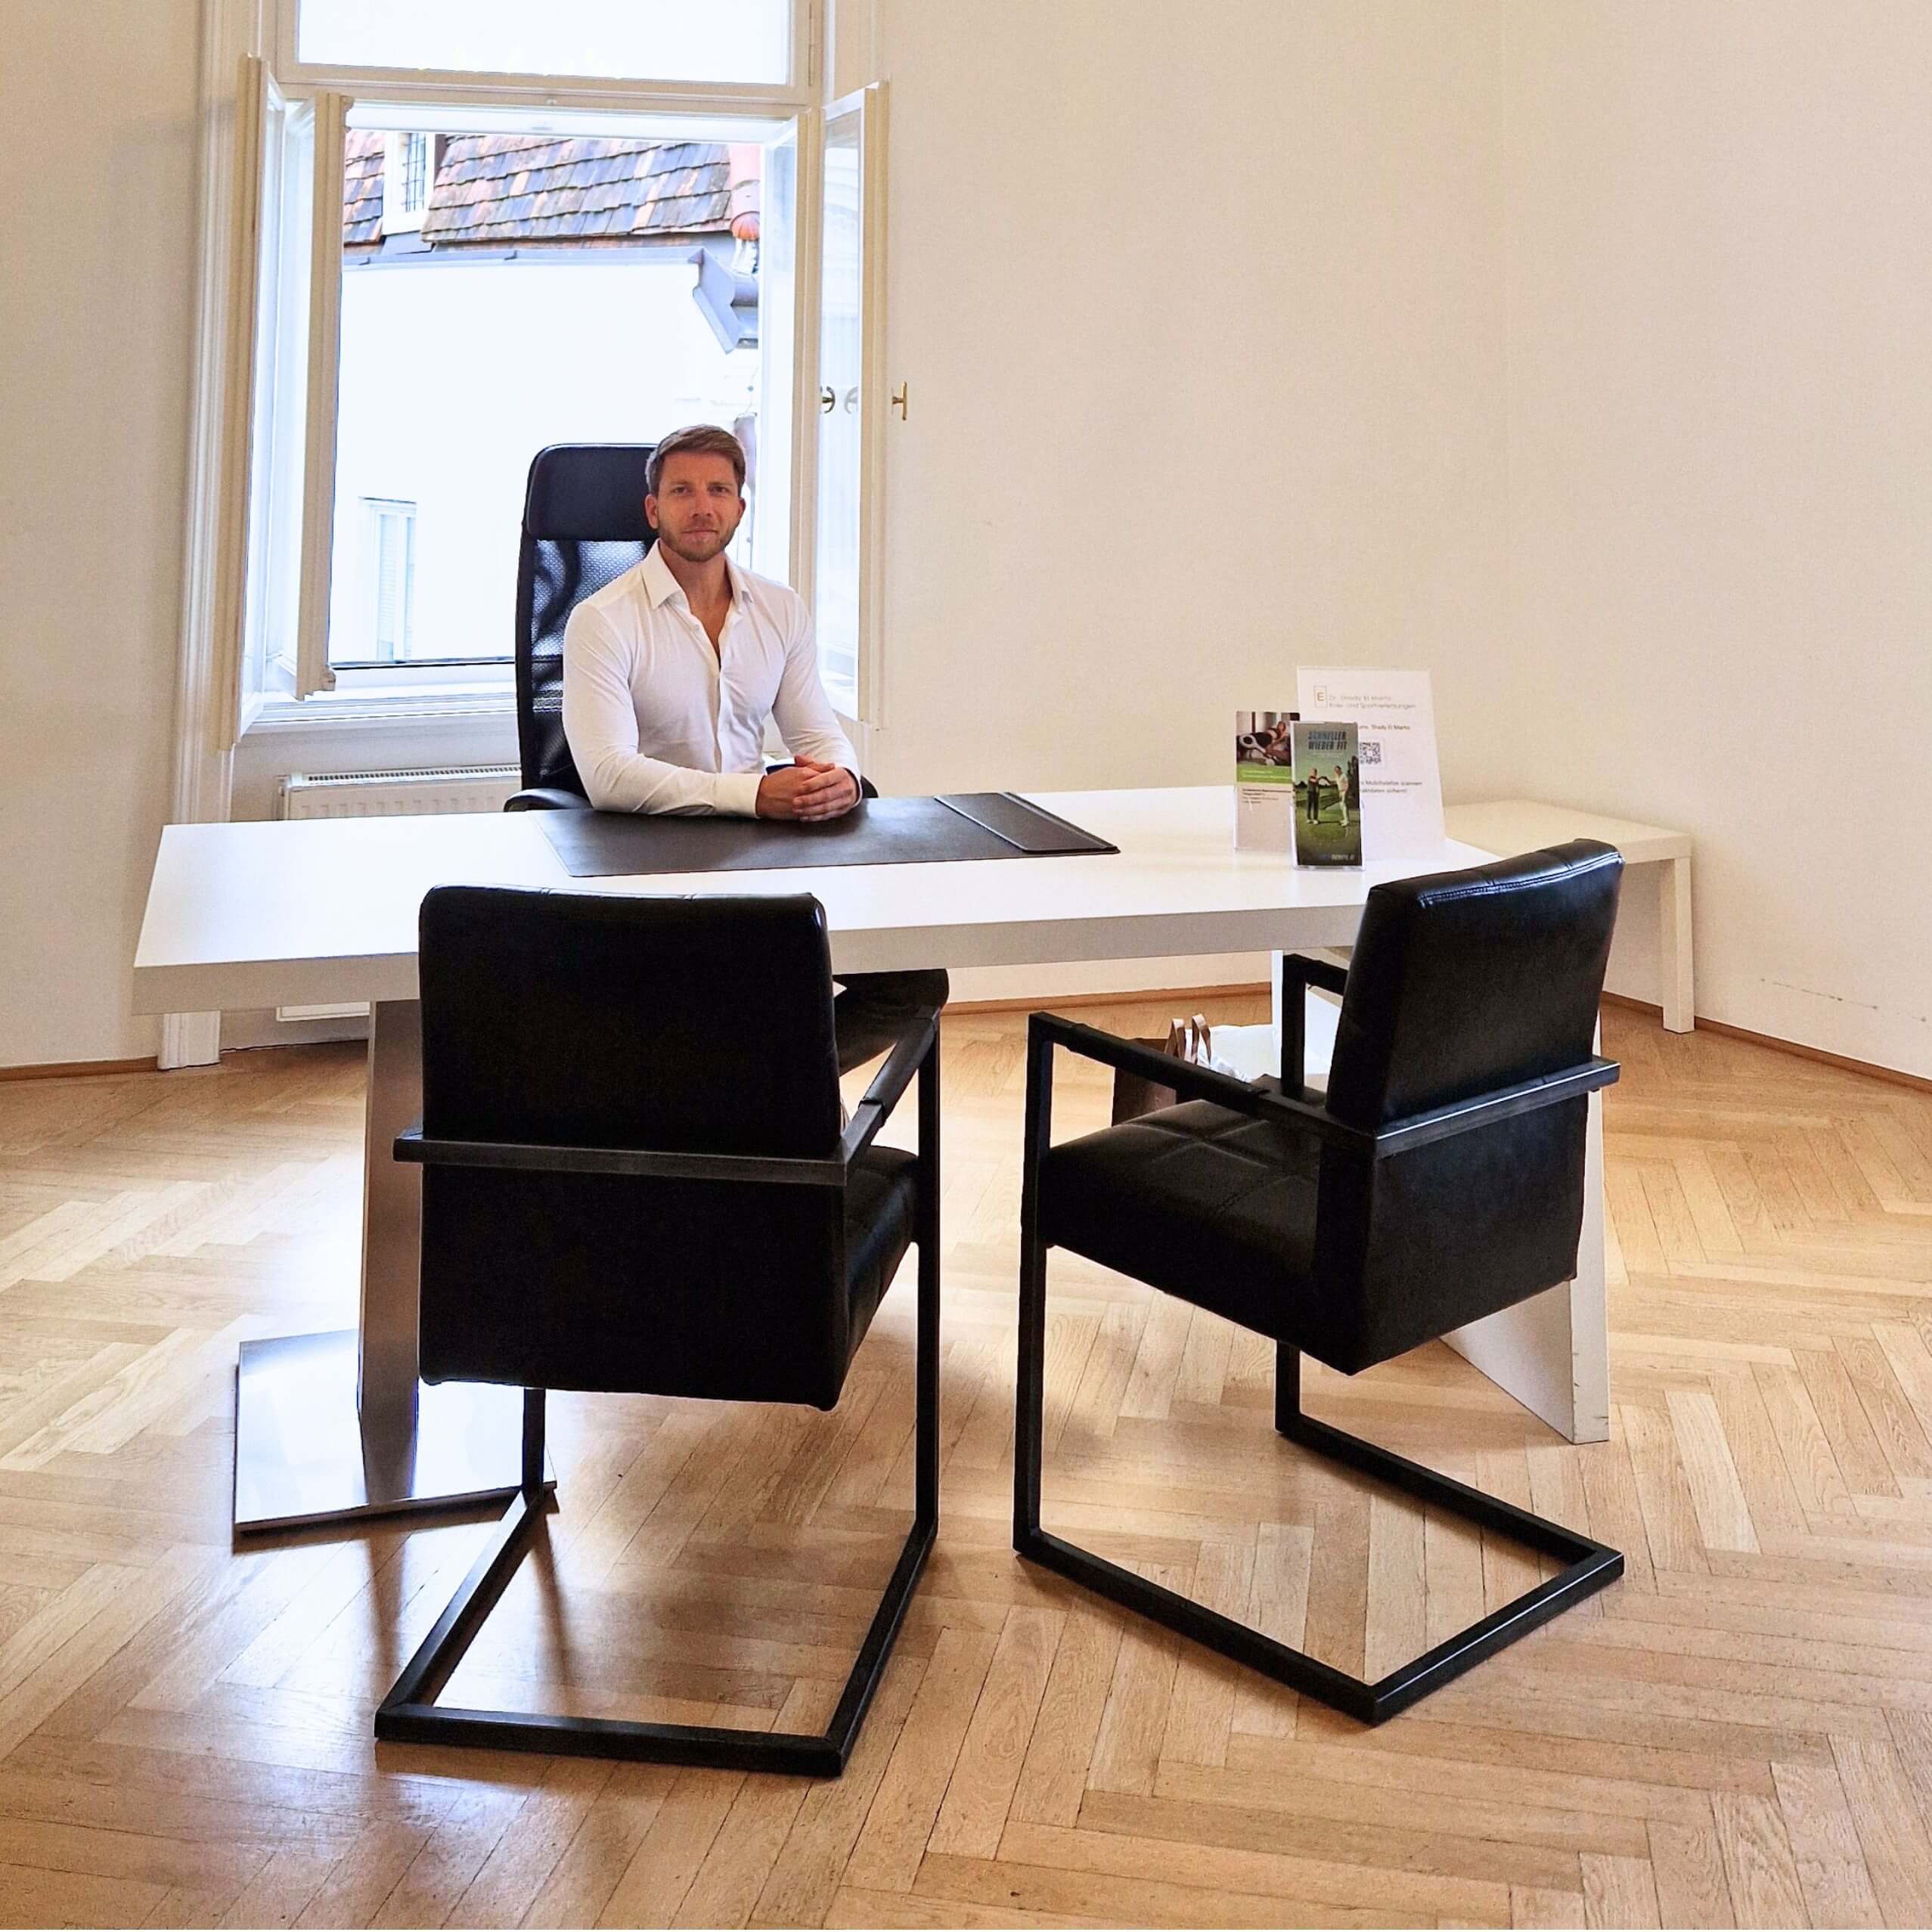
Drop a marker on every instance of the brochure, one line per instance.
(1327, 786)
(1395, 713)
(1264, 781)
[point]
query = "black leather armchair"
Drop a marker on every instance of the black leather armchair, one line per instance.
(1440, 1180)
(635, 1180)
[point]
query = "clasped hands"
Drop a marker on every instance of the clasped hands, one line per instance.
(807, 788)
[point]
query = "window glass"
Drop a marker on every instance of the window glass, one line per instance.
(745, 42)
(586, 288)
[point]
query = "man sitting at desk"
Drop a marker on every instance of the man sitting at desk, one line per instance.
(669, 672)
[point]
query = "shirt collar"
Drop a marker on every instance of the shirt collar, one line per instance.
(659, 585)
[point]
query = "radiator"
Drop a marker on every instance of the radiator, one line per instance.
(388, 794)
(395, 794)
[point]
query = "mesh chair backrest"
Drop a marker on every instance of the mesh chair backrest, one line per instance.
(701, 1026)
(583, 525)
(1462, 982)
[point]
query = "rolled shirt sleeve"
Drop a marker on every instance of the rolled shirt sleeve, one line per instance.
(600, 721)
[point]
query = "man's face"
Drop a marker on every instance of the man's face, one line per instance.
(697, 508)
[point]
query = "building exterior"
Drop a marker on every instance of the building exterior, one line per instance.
(501, 293)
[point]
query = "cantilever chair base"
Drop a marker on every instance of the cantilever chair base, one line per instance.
(1588, 1567)
(410, 1715)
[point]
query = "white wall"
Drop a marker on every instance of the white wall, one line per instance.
(1202, 311)
(1720, 497)
(1575, 351)
(96, 311)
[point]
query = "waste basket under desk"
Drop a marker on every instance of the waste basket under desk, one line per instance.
(1510, 826)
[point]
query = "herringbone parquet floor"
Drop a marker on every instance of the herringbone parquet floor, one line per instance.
(1740, 1732)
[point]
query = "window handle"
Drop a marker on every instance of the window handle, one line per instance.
(827, 401)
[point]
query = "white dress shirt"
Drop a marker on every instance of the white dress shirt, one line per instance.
(659, 721)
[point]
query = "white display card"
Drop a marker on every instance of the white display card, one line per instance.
(1395, 713)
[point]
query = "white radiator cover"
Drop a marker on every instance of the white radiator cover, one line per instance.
(388, 795)
(396, 794)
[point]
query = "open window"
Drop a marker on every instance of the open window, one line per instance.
(463, 232)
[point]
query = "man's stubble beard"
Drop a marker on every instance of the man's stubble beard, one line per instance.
(720, 539)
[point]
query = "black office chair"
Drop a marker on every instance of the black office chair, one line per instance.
(584, 525)
(1440, 1180)
(635, 1180)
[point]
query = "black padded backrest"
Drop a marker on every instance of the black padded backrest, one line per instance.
(583, 525)
(1460, 984)
(1463, 982)
(698, 1025)
(701, 1026)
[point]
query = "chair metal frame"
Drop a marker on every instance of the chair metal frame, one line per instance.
(409, 1714)
(1588, 1565)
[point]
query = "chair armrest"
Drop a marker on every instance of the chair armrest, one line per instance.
(411, 1145)
(545, 798)
(889, 1083)
(1260, 1103)
(1324, 973)
(1193, 1082)
(1464, 1116)
(1299, 973)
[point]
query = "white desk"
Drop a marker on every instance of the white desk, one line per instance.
(313, 913)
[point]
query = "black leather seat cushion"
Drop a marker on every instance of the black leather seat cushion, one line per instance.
(1200, 1202)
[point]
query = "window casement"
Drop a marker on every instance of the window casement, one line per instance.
(299, 505)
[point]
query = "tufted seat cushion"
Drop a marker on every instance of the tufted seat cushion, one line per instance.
(1200, 1202)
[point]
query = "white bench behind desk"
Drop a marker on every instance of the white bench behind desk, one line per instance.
(1507, 826)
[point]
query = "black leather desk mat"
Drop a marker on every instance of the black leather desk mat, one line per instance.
(967, 825)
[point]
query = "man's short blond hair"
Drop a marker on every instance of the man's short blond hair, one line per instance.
(699, 439)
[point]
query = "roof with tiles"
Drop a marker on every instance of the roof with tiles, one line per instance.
(504, 189)
(362, 189)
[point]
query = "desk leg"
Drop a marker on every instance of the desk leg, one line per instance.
(1553, 1352)
(330, 1427)
(1674, 944)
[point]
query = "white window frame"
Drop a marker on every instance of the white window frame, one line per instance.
(865, 105)
(434, 102)
(795, 94)
(244, 669)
